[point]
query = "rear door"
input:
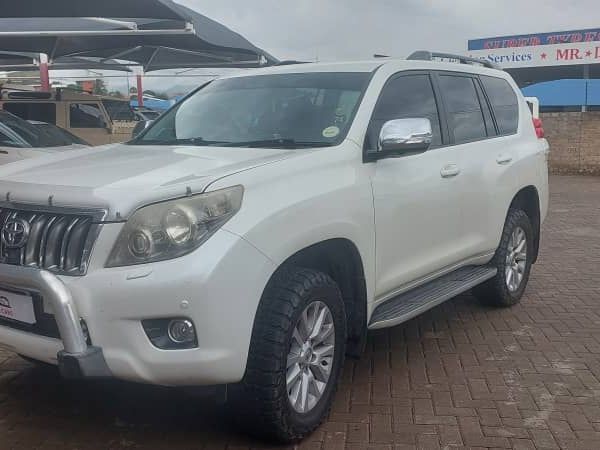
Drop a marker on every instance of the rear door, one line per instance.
(486, 138)
(416, 196)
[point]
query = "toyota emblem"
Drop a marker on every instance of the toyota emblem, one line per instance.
(15, 233)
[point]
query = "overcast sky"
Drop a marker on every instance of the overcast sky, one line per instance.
(354, 29)
(350, 29)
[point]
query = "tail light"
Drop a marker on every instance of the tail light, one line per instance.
(539, 128)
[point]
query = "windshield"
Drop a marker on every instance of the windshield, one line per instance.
(119, 109)
(281, 111)
(24, 129)
(37, 134)
(55, 136)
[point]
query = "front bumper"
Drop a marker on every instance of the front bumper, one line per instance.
(217, 287)
(77, 359)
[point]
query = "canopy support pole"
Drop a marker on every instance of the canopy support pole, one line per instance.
(44, 73)
(140, 91)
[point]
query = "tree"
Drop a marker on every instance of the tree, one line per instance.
(100, 87)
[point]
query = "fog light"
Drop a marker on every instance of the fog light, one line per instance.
(181, 331)
(171, 333)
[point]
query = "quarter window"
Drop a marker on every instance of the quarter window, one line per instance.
(465, 116)
(404, 97)
(504, 103)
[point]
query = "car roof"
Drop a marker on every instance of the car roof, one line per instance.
(370, 66)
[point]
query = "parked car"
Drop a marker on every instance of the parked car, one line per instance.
(93, 118)
(252, 235)
(20, 139)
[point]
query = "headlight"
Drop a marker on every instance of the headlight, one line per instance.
(173, 228)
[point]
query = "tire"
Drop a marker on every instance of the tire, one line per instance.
(261, 404)
(502, 290)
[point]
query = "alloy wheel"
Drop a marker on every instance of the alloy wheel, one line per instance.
(516, 259)
(310, 358)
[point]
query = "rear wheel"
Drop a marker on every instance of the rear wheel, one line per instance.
(295, 359)
(513, 260)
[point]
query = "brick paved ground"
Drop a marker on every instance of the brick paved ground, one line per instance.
(460, 375)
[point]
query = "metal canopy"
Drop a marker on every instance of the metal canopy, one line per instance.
(526, 76)
(156, 34)
(89, 8)
(29, 62)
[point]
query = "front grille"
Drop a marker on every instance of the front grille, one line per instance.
(56, 240)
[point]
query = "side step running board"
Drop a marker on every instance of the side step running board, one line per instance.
(412, 303)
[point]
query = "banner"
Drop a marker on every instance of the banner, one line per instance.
(534, 40)
(539, 55)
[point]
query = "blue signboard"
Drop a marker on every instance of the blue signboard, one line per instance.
(534, 40)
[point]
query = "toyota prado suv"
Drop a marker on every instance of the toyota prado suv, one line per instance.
(250, 237)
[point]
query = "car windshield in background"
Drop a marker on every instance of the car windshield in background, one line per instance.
(279, 111)
(119, 109)
(39, 134)
(24, 129)
(55, 136)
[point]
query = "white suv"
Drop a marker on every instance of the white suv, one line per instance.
(254, 233)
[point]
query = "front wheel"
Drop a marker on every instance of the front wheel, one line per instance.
(295, 358)
(513, 260)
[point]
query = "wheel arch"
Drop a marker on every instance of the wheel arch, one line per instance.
(528, 199)
(341, 260)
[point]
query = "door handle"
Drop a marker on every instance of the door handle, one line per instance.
(4, 152)
(503, 159)
(449, 171)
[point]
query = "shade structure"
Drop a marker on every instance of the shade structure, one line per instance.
(90, 8)
(12, 61)
(156, 34)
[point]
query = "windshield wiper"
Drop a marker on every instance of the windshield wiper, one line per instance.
(187, 141)
(279, 143)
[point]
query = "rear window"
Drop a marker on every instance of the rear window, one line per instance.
(504, 103)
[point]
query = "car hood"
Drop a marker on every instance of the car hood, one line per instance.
(120, 177)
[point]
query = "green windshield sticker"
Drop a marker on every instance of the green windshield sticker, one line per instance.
(331, 132)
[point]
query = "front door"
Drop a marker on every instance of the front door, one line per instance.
(416, 197)
(88, 121)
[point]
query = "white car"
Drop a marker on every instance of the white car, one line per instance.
(254, 233)
(21, 139)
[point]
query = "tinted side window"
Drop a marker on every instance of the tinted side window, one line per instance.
(504, 103)
(86, 115)
(465, 116)
(406, 97)
(43, 112)
(487, 114)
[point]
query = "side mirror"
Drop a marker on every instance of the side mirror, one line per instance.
(401, 136)
(141, 126)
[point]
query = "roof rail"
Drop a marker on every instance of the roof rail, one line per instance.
(424, 55)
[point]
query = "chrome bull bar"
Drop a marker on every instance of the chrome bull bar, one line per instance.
(77, 359)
